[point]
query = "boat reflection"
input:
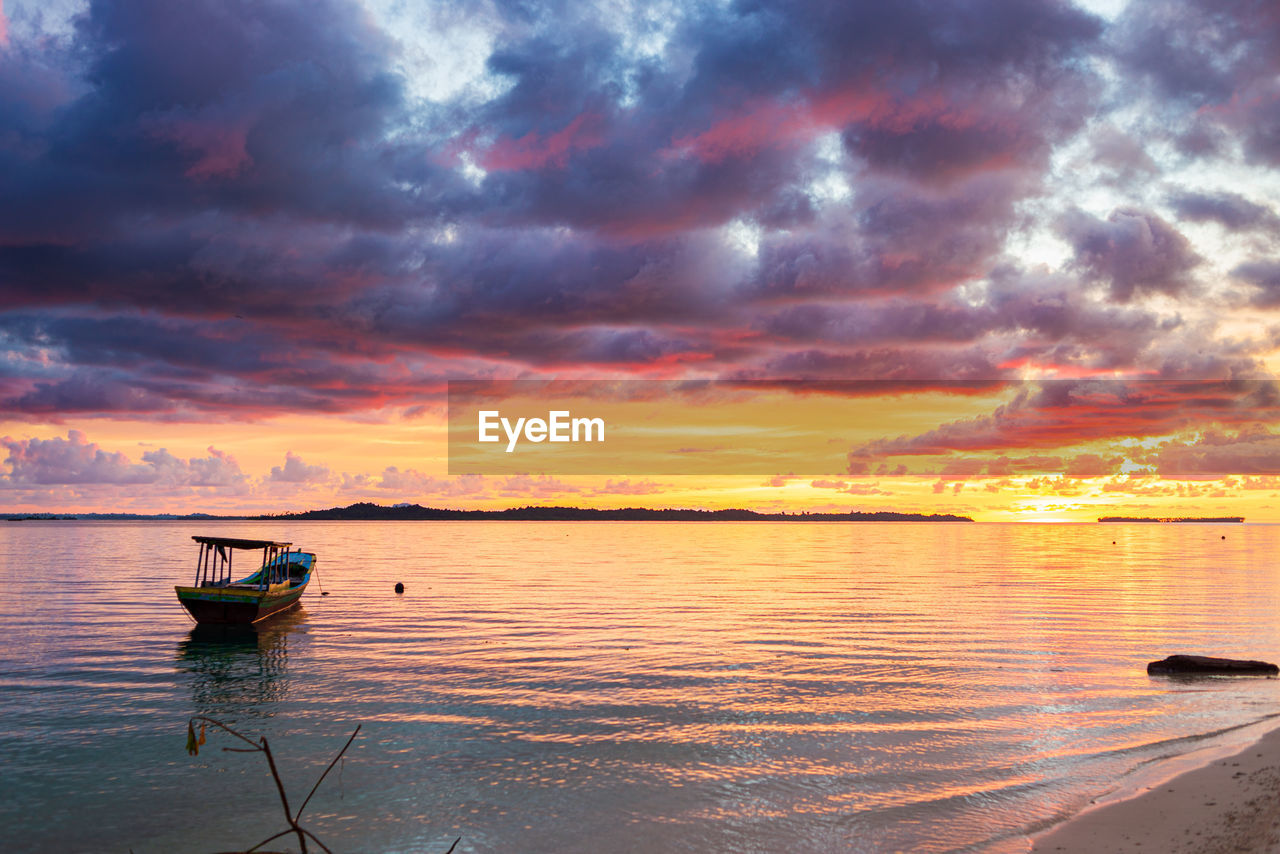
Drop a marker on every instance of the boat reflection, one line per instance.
(235, 668)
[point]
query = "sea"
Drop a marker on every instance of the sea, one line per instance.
(621, 686)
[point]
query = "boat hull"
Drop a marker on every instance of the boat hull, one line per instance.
(227, 605)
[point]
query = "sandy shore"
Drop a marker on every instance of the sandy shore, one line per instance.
(1231, 805)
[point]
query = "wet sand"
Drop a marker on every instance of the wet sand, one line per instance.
(1231, 805)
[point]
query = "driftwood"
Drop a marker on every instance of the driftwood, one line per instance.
(1204, 665)
(261, 746)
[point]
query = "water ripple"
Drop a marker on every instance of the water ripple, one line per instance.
(623, 687)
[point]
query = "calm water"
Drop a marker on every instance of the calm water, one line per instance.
(621, 686)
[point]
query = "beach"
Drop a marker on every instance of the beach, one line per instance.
(1230, 805)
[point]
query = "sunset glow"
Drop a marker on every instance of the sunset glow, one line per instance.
(244, 250)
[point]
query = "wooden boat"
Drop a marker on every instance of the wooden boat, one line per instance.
(276, 584)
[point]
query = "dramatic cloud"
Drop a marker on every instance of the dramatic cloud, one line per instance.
(1212, 66)
(1062, 414)
(213, 211)
(1131, 251)
(1263, 275)
(1253, 451)
(1229, 209)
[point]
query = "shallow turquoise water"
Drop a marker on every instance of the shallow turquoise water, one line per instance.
(604, 686)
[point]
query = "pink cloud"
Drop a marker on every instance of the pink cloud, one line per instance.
(533, 151)
(782, 122)
(413, 483)
(542, 486)
(628, 487)
(295, 470)
(774, 123)
(1252, 450)
(77, 461)
(217, 143)
(70, 460)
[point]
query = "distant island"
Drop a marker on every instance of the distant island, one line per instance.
(417, 512)
(118, 517)
(39, 517)
(365, 511)
(1214, 519)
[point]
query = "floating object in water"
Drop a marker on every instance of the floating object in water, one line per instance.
(1203, 664)
(276, 586)
(399, 587)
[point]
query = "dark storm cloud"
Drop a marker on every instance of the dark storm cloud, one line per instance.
(87, 390)
(1132, 251)
(882, 364)
(1265, 276)
(236, 208)
(231, 347)
(547, 297)
(900, 238)
(1023, 318)
(933, 92)
(895, 320)
(176, 367)
(212, 265)
(261, 109)
(1212, 65)
(1228, 209)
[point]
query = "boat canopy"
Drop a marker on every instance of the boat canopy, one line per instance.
(234, 543)
(213, 564)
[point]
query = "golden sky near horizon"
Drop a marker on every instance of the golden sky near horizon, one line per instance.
(243, 284)
(308, 462)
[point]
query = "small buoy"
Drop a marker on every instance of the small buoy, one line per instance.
(399, 587)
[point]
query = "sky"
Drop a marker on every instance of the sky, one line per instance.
(244, 246)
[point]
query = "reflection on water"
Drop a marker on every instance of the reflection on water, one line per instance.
(547, 687)
(239, 669)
